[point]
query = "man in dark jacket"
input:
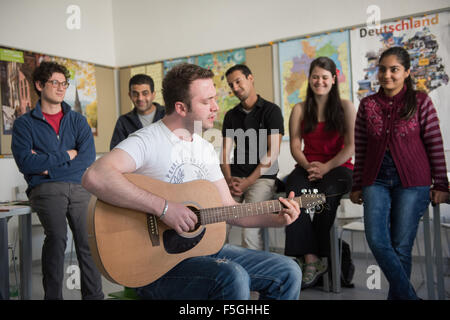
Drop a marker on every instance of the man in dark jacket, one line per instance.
(52, 146)
(142, 93)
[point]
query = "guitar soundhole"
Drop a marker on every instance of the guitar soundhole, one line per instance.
(175, 243)
(197, 213)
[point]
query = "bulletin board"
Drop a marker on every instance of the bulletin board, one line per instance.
(258, 59)
(356, 50)
(106, 114)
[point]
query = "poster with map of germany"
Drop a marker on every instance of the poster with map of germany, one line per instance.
(295, 57)
(427, 39)
(219, 63)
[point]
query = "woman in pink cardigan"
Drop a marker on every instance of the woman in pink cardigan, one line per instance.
(398, 156)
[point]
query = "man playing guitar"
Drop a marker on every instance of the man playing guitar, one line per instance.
(170, 150)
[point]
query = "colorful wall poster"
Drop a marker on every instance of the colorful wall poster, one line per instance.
(81, 94)
(155, 71)
(427, 39)
(18, 95)
(169, 64)
(295, 57)
(16, 84)
(219, 63)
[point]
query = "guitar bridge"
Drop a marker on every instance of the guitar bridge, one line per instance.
(152, 226)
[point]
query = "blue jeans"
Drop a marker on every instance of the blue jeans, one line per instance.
(391, 219)
(229, 274)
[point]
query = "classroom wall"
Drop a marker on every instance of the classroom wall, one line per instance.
(156, 30)
(119, 33)
(41, 26)
(122, 33)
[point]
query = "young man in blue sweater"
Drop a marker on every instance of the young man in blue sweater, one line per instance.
(53, 146)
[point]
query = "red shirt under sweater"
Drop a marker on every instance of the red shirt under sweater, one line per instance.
(54, 120)
(415, 144)
(322, 145)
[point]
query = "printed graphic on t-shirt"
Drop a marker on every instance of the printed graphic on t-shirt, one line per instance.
(186, 170)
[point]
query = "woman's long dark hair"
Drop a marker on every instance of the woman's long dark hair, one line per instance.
(334, 113)
(410, 96)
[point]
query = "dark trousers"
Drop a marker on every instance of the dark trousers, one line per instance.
(306, 236)
(54, 202)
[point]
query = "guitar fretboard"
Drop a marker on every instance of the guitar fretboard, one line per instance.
(220, 214)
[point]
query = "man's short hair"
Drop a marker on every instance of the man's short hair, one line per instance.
(141, 79)
(177, 82)
(239, 67)
(45, 71)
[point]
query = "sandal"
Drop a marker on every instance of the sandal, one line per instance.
(312, 272)
(301, 262)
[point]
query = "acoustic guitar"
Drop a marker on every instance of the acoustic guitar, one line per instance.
(134, 248)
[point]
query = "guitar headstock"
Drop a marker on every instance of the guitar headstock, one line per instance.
(311, 200)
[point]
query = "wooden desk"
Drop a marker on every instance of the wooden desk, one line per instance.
(24, 214)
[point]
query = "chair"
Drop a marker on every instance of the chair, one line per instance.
(342, 218)
(265, 239)
(446, 227)
(353, 222)
(20, 193)
(355, 226)
(358, 226)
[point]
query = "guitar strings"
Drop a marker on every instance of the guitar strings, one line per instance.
(234, 211)
(246, 209)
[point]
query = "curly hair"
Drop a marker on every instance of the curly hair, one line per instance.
(45, 71)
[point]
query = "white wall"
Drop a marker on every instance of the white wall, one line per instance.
(155, 30)
(121, 33)
(40, 26)
(10, 177)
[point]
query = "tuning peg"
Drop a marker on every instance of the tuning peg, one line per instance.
(315, 191)
(318, 208)
(303, 191)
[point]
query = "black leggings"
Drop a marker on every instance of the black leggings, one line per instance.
(304, 236)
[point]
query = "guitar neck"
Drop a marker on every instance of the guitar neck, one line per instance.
(220, 214)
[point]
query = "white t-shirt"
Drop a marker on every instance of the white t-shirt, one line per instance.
(160, 154)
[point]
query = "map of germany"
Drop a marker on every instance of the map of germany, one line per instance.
(295, 57)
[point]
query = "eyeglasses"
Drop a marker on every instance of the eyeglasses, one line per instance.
(56, 83)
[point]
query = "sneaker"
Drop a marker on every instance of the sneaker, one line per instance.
(312, 273)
